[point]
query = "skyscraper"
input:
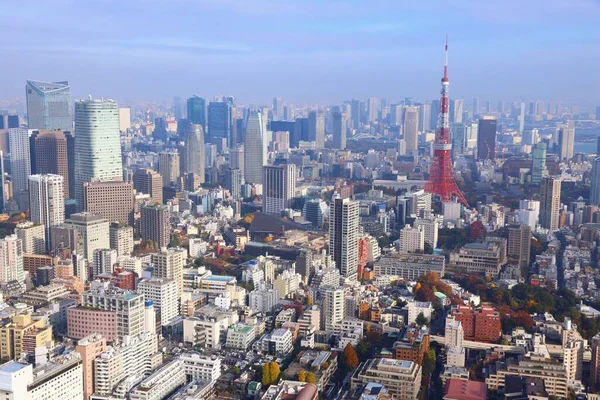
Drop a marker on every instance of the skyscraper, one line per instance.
(277, 109)
(425, 117)
(316, 128)
(486, 138)
(456, 110)
(279, 187)
(50, 155)
(549, 203)
(233, 182)
(220, 123)
(236, 159)
(343, 236)
(194, 146)
(538, 170)
(177, 112)
(595, 178)
(196, 111)
(154, 224)
(48, 105)
(410, 129)
(355, 113)
(97, 144)
(20, 163)
(339, 130)
(149, 182)
(255, 153)
(373, 109)
(475, 107)
(566, 142)
(519, 243)
(522, 117)
(457, 132)
(168, 167)
(46, 201)
(435, 113)
(300, 132)
(11, 260)
(111, 200)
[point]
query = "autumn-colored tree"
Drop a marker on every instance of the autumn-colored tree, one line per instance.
(266, 374)
(522, 318)
(311, 378)
(275, 372)
(302, 376)
(309, 301)
(350, 357)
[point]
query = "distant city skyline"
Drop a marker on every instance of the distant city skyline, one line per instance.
(306, 51)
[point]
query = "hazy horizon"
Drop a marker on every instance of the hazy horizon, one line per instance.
(305, 51)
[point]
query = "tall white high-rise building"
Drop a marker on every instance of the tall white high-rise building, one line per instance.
(11, 259)
(236, 159)
(343, 236)
(411, 239)
(47, 201)
(566, 141)
(279, 186)
(163, 293)
(333, 306)
(410, 129)
(20, 163)
(33, 237)
(97, 144)
(169, 264)
(255, 153)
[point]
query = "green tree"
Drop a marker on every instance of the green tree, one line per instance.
(421, 320)
(302, 376)
(428, 249)
(311, 378)
(429, 362)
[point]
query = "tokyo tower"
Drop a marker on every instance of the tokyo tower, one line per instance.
(441, 181)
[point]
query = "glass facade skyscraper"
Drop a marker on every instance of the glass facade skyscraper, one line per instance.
(220, 122)
(196, 111)
(255, 154)
(49, 105)
(97, 144)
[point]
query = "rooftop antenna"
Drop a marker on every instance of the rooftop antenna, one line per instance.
(446, 59)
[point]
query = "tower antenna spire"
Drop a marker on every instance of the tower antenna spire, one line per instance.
(446, 59)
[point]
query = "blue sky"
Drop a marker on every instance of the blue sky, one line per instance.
(305, 50)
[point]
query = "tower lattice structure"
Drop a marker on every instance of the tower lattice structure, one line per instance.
(441, 180)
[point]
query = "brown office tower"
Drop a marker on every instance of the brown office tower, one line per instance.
(148, 181)
(110, 200)
(51, 155)
(154, 224)
(519, 244)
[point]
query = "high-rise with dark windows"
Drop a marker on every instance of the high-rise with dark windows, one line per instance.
(486, 138)
(220, 122)
(196, 111)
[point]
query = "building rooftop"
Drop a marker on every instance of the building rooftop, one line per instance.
(12, 366)
(458, 389)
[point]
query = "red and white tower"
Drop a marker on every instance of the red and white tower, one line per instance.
(441, 181)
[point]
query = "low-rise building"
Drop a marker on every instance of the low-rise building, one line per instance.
(401, 378)
(240, 336)
(409, 266)
(278, 342)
